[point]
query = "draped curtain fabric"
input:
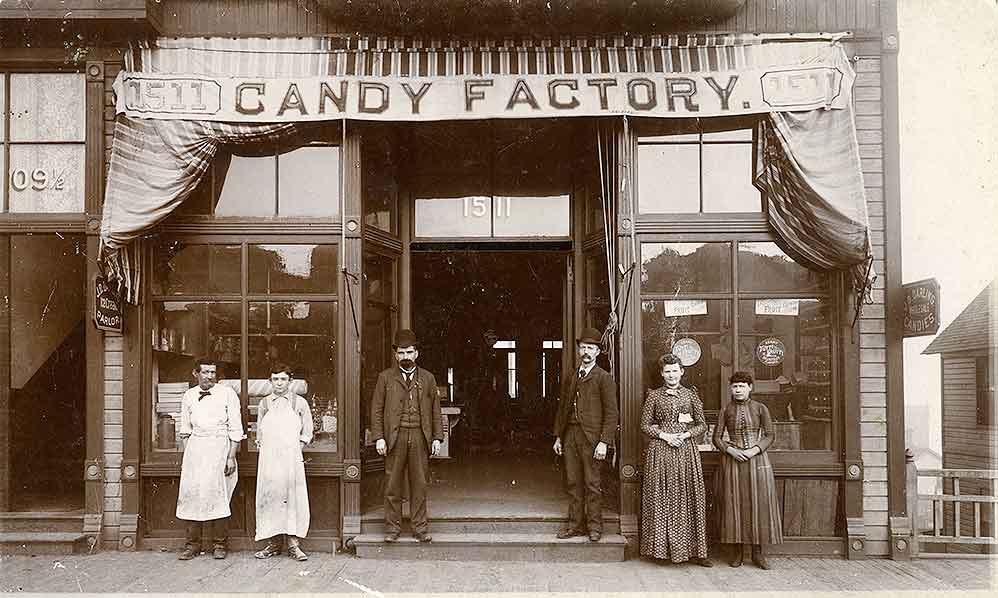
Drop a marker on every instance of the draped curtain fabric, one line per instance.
(155, 165)
(808, 163)
(808, 167)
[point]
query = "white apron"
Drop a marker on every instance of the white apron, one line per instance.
(213, 423)
(205, 490)
(281, 495)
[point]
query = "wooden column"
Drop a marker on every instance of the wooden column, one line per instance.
(898, 517)
(132, 385)
(629, 368)
(93, 465)
(350, 321)
(5, 345)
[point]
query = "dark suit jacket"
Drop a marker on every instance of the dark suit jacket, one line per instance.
(388, 402)
(598, 413)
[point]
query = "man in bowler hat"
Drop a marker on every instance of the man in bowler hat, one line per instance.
(406, 424)
(584, 427)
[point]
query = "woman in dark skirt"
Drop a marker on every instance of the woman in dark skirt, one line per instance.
(747, 510)
(673, 517)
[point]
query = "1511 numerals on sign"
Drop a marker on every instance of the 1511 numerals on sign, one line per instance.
(38, 179)
(478, 207)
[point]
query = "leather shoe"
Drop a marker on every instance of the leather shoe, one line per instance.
(594, 536)
(705, 562)
(218, 553)
(736, 561)
(391, 537)
(759, 559)
(423, 537)
(188, 553)
(570, 533)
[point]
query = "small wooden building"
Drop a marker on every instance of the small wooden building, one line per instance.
(968, 350)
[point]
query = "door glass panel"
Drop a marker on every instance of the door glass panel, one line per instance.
(680, 268)
(189, 269)
(765, 267)
(292, 268)
(301, 334)
(786, 344)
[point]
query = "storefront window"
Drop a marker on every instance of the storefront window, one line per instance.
(789, 354)
(781, 332)
(680, 268)
(380, 160)
(297, 327)
(688, 167)
(44, 152)
(299, 333)
(182, 331)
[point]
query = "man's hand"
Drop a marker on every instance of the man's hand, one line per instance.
(381, 446)
(435, 447)
(230, 465)
(600, 453)
(557, 446)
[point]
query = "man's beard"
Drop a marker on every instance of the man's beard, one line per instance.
(407, 364)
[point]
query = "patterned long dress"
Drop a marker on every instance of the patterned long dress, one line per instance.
(747, 509)
(673, 515)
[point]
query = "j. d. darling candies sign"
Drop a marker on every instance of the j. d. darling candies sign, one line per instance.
(234, 99)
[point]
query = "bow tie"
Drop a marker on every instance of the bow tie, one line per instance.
(204, 393)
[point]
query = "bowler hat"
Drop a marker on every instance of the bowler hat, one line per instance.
(590, 335)
(405, 338)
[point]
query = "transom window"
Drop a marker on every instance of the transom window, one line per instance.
(691, 166)
(43, 138)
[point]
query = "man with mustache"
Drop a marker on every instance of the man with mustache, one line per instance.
(405, 421)
(585, 427)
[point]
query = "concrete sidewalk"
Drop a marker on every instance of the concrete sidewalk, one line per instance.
(161, 572)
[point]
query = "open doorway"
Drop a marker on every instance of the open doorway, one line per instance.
(491, 331)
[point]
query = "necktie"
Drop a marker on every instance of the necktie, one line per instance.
(582, 374)
(204, 393)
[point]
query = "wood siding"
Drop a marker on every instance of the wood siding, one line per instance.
(966, 444)
(307, 17)
(872, 323)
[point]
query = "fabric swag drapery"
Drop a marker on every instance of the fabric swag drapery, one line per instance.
(179, 100)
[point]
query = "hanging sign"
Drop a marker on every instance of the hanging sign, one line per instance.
(921, 308)
(685, 307)
(190, 96)
(687, 350)
(777, 307)
(770, 351)
(107, 306)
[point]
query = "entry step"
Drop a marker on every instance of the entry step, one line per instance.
(33, 543)
(493, 547)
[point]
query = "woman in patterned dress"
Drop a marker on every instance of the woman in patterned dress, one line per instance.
(747, 511)
(673, 518)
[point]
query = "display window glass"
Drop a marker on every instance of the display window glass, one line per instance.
(248, 306)
(43, 142)
(776, 323)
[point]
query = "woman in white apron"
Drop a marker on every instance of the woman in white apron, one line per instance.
(284, 427)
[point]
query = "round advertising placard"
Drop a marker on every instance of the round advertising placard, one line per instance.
(770, 351)
(687, 350)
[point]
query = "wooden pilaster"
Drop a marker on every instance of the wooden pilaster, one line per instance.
(93, 466)
(350, 321)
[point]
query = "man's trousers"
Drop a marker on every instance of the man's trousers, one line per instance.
(411, 456)
(583, 473)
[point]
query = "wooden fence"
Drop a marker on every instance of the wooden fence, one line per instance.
(962, 519)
